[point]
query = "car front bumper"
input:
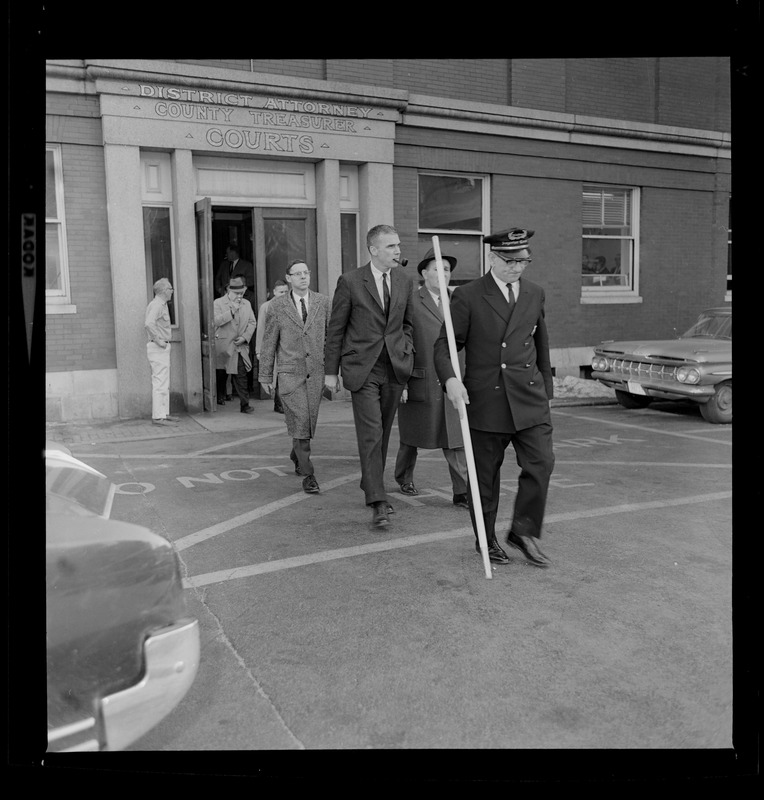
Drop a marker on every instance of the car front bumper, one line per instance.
(655, 388)
(171, 659)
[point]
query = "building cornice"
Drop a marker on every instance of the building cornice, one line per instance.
(415, 110)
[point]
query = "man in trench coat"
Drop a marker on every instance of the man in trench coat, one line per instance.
(293, 349)
(426, 417)
(499, 322)
(234, 327)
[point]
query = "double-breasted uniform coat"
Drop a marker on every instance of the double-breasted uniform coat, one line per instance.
(508, 377)
(295, 351)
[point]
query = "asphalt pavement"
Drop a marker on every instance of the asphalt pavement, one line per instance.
(321, 633)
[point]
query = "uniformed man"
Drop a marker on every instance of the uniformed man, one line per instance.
(499, 322)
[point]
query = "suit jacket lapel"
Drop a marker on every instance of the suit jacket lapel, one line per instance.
(371, 286)
(429, 304)
(495, 298)
(292, 311)
(517, 311)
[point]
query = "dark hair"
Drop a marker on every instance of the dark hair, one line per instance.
(376, 231)
(279, 282)
(296, 261)
(233, 246)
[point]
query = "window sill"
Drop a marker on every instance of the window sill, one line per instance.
(60, 308)
(602, 298)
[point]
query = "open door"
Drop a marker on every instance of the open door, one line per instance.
(203, 209)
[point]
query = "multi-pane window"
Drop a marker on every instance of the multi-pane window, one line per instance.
(56, 262)
(157, 243)
(608, 260)
(454, 207)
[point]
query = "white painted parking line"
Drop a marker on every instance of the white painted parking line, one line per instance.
(674, 464)
(601, 421)
(354, 457)
(242, 519)
(222, 576)
(237, 442)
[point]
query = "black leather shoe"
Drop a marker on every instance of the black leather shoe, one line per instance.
(461, 501)
(379, 518)
(409, 488)
(528, 547)
(278, 409)
(221, 402)
(495, 554)
(310, 485)
(247, 410)
(229, 397)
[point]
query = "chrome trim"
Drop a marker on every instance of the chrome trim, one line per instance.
(71, 729)
(171, 658)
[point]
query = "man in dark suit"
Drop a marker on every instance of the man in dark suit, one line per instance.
(499, 321)
(233, 265)
(370, 341)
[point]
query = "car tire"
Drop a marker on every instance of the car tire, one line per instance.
(719, 408)
(628, 400)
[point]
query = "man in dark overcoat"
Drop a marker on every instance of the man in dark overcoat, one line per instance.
(499, 322)
(426, 417)
(370, 341)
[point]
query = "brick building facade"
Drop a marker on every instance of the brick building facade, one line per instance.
(154, 165)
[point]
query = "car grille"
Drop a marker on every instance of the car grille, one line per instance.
(639, 369)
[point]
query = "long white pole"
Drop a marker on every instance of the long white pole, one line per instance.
(463, 421)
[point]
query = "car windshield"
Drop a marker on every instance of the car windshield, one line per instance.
(713, 326)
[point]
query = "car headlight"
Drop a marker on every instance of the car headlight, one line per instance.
(599, 363)
(687, 375)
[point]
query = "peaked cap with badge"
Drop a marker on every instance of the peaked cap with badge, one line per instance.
(512, 239)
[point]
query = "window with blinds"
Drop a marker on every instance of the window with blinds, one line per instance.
(608, 241)
(56, 262)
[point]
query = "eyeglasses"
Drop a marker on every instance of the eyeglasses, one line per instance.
(514, 260)
(299, 274)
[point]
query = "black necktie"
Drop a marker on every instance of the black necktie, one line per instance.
(510, 297)
(304, 310)
(386, 293)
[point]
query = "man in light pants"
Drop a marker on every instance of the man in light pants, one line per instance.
(157, 324)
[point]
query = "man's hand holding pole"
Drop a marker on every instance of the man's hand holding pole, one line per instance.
(457, 394)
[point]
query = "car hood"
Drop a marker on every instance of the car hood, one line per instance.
(700, 349)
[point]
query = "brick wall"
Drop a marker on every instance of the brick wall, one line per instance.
(686, 92)
(476, 80)
(694, 93)
(538, 83)
(616, 88)
(366, 71)
(84, 340)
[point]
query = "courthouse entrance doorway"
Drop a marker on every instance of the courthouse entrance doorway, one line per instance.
(270, 238)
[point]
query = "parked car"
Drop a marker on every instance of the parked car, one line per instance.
(697, 366)
(122, 650)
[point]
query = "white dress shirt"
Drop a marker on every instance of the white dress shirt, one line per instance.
(378, 278)
(296, 300)
(505, 289)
